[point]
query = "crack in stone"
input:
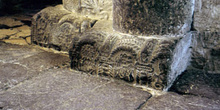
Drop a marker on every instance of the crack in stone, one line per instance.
(142, 105)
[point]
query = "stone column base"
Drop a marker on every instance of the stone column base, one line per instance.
(153, 61)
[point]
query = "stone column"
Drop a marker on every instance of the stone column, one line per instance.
(152, 17)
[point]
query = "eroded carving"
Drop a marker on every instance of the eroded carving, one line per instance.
(133, 59)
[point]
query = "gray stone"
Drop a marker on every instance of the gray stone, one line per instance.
(13, 74)
(55, 27)
(199, 83)
(154, 62)
(206, 51)
(64, 89)
(207, 15)
(173, 101)
(100, 9)
(150, 17)
(11, 53)
(44, 61)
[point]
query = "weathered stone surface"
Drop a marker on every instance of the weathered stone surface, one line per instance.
(13, 74)
(206, 51)
(154, 62)
(9, 22)
(55, 27)
(64, 89)
(153, 17)
(173, 101)
(11, 53)
(101, 9)
(207, 15)
(198, 82)
(44, 60)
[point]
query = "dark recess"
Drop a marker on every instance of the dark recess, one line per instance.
(8, 7)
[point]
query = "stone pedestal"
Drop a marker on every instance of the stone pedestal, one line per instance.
(153, 17)
(126, 52)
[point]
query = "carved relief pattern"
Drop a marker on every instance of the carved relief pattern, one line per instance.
(52, 30)
(126, 58)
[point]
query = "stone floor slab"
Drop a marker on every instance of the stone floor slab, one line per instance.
(45, 60)
(173, 101)
(13, 74)
(10, 53)
(63, 89)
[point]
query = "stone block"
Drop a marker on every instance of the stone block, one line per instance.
(153, 17)
(206, 51)
(199, 83)
(207, 15)
(152, 61)
(94, 47)
(55, 27)
(101, 9)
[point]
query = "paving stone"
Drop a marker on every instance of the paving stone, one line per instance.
(12, 53)
(13, 74)
(173, 101)
(44, 60)
(64, 89)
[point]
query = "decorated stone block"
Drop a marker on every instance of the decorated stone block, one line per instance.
(153, 17)
(206, 51)
(127, 53)
(153, 62)
(100, 9)
(207, 15)
(55, 27)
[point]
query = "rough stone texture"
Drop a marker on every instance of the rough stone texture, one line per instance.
(207, 15)
(15, 29)
(197, 82)
(173, 101)
(97, 49)
(12, 53)
(153, 17)
(206, 51)
(100, 9)
(24, 87)
(55, 27)
(63, 89)
(19, 63)
(154, 62)
(13, 74)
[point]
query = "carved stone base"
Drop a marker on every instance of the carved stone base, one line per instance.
(154, 61)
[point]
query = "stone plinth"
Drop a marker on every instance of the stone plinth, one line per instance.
(154, 62)
(207, 15)
(94, 47)
(153, 17)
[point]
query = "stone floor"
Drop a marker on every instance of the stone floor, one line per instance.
(32, 78)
